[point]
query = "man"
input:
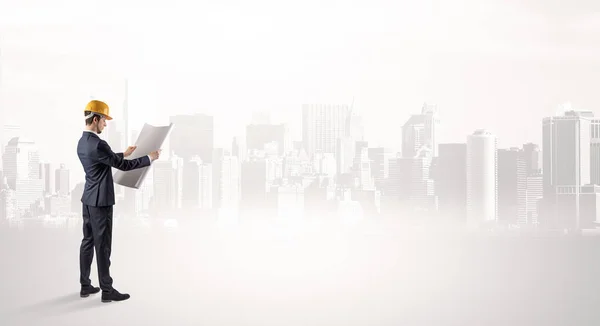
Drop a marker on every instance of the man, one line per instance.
(98, 199)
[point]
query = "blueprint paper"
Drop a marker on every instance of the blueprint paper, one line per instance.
(151, 138)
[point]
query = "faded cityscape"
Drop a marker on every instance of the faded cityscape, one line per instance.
(332, 173)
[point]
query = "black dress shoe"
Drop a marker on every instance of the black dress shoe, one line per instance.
(87, 290)
(114, 296)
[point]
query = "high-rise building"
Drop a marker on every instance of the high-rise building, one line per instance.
(450, 178)
(21, 161)
(534, 193)
(380, 164)
(566, 159)
(225, 180)
(192, 136)
(362, 168)
(48, 175)
(421, 131)
(239, 148)
(197, 184)
(322, 126)
(482, 178)
(9, 131)
(512, 186)
(345, 153)
(62, 181)
(595, 151)
(168, 183)
(566, 150)
(533, 158)
(22, 171)
(410, 183)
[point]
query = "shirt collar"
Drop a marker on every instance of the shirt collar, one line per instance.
(93, 132)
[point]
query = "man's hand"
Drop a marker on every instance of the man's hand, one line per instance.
(129, 150)
(154, 155)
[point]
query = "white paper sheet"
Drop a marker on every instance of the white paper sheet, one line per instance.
(151, 138)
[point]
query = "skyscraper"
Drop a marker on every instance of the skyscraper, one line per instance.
(22, 171)
(512, 186)
(168, 184)
(322, 125)
(225, 180)
(48, 177)
(566, 150)
(197, 185)
(421, 131)
(482, 178)
(533, 158)
(62, 180)
(595, 151)
(380, 165)
(451, 182)
(567, 159)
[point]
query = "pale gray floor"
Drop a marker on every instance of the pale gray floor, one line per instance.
(205, 275)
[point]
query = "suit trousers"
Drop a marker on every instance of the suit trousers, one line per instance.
(97, 234)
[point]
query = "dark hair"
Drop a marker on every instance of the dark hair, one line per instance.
(89, 121)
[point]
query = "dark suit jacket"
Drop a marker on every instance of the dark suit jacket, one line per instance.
(97, 159)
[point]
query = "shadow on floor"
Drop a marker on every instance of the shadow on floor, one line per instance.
(60, 305)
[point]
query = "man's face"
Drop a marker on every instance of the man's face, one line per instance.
(100, 125)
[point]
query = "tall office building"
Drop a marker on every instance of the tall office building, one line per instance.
(566, 150)
(512, 186)
(193, 135)
(168, 184)
(62, 181)
(566, 160)
(534, 193)
(450, 178)
(197, 184)
(595, 151)
(380, 165)
(322, 126)
(22, 172)
(9, 131)
(48, 176)
(225, 180)
(21, 161)
(482, 178)
(533, 158)
(239, 148)
(421, 131)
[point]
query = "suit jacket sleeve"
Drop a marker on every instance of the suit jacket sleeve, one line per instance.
(116, 160)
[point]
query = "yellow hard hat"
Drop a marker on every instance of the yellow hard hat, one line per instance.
(98, 107)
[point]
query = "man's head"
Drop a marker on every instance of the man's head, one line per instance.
(95, 122)
(96, 113)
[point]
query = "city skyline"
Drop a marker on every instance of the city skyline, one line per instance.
(502, 185)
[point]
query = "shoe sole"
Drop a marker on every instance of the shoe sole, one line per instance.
(107, 301)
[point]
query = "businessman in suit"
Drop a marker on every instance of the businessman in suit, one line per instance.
(98, 199)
